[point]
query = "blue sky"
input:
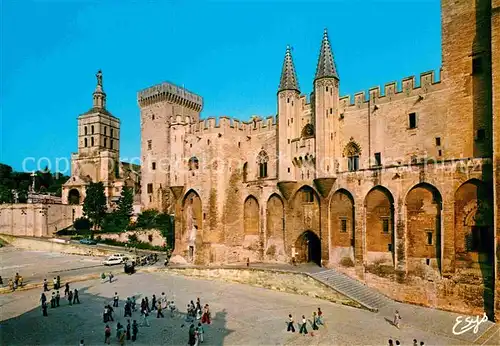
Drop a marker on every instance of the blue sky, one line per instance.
(229, 52)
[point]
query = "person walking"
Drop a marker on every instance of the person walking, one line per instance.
(415, 343)
(54, 282)
(201, 332)
(397, 318)
(314, 324)
(107, 334)
(45, 285)
(391, 343)
(159, 311)
(191, 335)
(43, 298)
(320, 317)
(196, 336)
(110, 277)
(44, 309)
(66, 289)
(145, 314)
(58, 298)
(290, 326)
(303, 326)
(105, 317)
(128, 329)
(205, 318)
(110, 313)
(70, 297)
(115, 300)
(135, 330)
(153, 303)
(146, 303)
(134, 308)
(76, 298)
(58, 279)
(53, 300)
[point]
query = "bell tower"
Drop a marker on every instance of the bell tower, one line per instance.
(288, 116)
(326, 101)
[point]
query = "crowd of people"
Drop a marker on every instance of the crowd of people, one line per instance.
(196, 316)
(72, 296)
(14, 283)
(315, 322)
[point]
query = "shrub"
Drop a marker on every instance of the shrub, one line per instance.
(77, 237)
(139, 245)
(346, 262)
(132, 238)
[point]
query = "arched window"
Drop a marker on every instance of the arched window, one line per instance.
(92, 141)
(85, 142)
(308, 131)
(111, 144)
(105, 130)
(85, 130)
(111, 132)
(193, 163)
(245, 172)
(105, 142)
(352, 152)
(262, 160)
(92, 129)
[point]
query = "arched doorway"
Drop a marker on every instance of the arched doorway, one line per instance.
(74, 196)
(308, 248)
(192, 225)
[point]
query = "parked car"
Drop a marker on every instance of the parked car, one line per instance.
(88, 241)
(115, 259)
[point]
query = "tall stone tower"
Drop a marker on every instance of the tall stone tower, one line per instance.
(98, 153)
(288, 117)
(466, 49)
(326, 101)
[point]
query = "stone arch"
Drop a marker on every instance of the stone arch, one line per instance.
(74, 196)
(251, 216)
(474, 240)
(192, 226)
(275, 228)
(304, 214)
(379, 223)
(423, 225)
(352, 151)
(308, 248)
(342, 224)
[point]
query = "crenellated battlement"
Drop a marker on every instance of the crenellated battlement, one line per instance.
(225, 124)
(392, 91)
(170, 92)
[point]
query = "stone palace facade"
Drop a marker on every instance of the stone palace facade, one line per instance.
(404, 178)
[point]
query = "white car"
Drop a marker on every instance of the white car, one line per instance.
(115, 259)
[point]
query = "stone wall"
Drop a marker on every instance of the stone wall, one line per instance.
(36, 220)
(46, 245)
(152, 237)
(276, 280)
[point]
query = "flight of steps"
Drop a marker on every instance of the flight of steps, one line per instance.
(351, 288)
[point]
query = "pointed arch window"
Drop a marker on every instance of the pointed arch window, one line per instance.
(92, 129)
(85, 142)
(193, 163)
(352, 151)
(262, 160)
(91, 141)
(85, 130)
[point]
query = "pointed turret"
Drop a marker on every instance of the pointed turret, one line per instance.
(99, 95)
(288, 79)
(326, 64)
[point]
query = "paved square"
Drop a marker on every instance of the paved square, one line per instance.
(243, 315)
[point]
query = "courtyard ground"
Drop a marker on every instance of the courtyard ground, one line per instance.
(243, 315)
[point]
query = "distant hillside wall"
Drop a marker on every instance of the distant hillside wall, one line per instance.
(36, 220)
(151, 236)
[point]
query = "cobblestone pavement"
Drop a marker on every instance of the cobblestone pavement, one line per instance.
(243, 315)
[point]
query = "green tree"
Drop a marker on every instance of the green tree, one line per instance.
(125, 203)
(94, 205)
(6, 195)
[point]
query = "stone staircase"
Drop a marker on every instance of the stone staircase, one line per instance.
(351, 288)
